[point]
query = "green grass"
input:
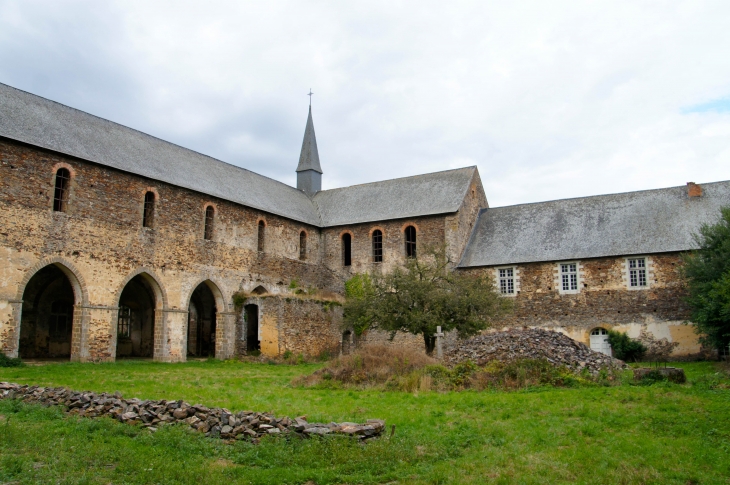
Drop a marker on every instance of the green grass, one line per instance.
(663, 433)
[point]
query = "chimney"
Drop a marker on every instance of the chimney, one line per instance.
(694, 190)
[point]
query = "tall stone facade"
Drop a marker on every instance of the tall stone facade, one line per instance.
(117, 244)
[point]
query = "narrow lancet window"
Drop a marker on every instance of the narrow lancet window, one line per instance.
(262, 235)
(302, 245)
(209, 220)
(346, 250)
(410, 242)
(60, 195)
(149, 209)
(377, 246)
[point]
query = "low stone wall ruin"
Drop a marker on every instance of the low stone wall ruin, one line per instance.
(213, 422)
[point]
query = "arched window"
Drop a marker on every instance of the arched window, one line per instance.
(262, 235)
(60, 195)
(149, 209)
(377, 246)
(302, 245)
(410, 242)
(346, 249)
(209, 220)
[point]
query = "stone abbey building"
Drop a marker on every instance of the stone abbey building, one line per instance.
(115, 243)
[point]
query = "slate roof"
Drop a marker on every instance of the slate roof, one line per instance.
(37, 121)
(420, 195)
(649, 221)
(43, 123)
(309, 157)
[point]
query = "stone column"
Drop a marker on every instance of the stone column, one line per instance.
(94, 337)
(169, 335)
(10, 326)
(225, 335)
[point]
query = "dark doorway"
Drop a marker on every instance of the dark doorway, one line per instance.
(252, 328)
(346, 342)
(47, 315)
(202, 322)
(136, 319)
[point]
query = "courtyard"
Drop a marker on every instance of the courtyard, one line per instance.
(627, 433)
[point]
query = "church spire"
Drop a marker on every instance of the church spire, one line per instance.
(309, 158)
(309, 172)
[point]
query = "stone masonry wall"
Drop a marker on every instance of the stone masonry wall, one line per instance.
(604, 300)
(100, 244)
(299, 325)
(429, 231)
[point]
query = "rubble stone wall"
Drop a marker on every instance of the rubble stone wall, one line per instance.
(604, 300)
(100, 244)
(305, 326)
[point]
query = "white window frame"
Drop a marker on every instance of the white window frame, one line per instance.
(498, 278)
(648, 272)
(578, 277)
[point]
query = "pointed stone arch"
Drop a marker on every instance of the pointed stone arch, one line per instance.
(160, 348)
(77, 315)
(202, 324)
(81, 294)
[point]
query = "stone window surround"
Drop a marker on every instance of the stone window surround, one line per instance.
(515, 274)
(382, 244)
(154, 209)
(558, 280)
(69, 189)
(625, 280)
(403, 228)
(204, 221)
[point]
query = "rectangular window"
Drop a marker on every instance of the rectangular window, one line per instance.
(569, 276)
(507, 281)
(637, 272)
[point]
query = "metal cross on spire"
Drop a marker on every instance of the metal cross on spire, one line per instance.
(310, 96)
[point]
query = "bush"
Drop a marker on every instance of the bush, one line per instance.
(625, 348)
(6, 361)
(369, 366)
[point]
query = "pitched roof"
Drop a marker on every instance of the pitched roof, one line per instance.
(43, 123)
(309, 157)
(644, 222)
(38, 121)
(420, 195)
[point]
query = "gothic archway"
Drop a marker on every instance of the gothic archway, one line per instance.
(49, 318)
(139, 320)
(204, 305)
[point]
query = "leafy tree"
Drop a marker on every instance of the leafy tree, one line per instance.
(707, 274)
(423, 294)
(625, 348)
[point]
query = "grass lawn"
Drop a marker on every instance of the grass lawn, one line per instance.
(664, 433)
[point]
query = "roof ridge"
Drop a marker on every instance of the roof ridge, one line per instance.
(703, 184)
(398, 178)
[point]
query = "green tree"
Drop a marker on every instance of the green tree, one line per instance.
(707, 274)
(423, 294)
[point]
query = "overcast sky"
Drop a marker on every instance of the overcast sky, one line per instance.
(549, 99)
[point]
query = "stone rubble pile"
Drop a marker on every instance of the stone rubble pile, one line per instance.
(214, 422)
(529, 343)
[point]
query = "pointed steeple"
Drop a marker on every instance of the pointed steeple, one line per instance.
(309, 172)
(309, 158)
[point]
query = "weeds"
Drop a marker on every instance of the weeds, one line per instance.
(396, 369)
(6, 361)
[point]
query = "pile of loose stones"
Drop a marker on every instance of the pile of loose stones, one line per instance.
(529, 343)
(214, 422)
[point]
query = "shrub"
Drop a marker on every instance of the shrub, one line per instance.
(370, 365)
(6, 361)
(625, 348)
